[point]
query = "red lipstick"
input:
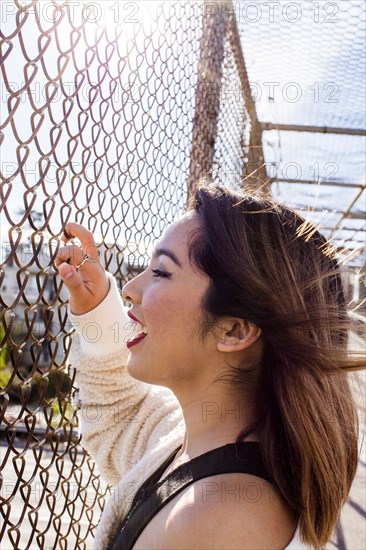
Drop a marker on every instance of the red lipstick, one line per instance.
(137, 337)
(133, 317)
(135, 340)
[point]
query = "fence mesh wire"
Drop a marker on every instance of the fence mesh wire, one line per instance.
(111, 111)
(306, 65)
(104, 123)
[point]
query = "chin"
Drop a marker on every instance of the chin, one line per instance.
(137, 371)
(143, 374)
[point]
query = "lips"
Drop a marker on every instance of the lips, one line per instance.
(136, 339)
(142, 326)
(133, 317)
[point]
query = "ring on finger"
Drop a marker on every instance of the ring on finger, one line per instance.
(85, 259)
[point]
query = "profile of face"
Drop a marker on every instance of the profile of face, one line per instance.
(166, 299)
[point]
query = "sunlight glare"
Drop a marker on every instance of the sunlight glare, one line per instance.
(128, 14)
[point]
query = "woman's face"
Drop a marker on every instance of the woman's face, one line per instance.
(169, 306)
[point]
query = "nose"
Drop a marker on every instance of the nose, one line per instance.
(131, 291)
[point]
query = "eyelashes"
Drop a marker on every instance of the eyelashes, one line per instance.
(158, 273)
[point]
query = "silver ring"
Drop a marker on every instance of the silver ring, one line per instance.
(85, 259)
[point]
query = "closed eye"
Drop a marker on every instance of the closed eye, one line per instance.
(158, 273)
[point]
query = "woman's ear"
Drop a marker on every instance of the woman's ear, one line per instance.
(236, 335)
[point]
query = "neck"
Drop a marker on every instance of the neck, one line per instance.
(214, 417)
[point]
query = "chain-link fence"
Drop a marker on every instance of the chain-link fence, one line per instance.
(110, 113)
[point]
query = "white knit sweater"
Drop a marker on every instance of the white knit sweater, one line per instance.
(129, 428)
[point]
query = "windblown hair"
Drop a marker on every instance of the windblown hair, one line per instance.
(271, 268)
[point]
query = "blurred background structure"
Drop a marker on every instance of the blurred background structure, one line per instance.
(110, 113)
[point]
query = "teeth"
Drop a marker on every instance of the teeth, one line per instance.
(142, 328)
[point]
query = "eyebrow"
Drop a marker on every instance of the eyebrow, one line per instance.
(166, 252)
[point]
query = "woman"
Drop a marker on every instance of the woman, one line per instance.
(230, 408)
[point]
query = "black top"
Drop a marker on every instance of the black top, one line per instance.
(245, 457)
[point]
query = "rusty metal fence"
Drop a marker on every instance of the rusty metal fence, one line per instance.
(111, 111)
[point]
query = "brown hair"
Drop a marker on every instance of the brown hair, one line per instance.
(270, 267)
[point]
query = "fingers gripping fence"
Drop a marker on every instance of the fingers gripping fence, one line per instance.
(111, 112)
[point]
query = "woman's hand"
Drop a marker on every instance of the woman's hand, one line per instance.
(88, 284)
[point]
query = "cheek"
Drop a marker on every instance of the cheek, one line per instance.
(173, 315)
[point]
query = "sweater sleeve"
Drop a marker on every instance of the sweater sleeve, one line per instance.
(120, 418)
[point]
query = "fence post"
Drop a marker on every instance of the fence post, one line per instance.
(255, 168)
(208, 91)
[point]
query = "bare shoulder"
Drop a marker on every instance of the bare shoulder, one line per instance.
(230, 511)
